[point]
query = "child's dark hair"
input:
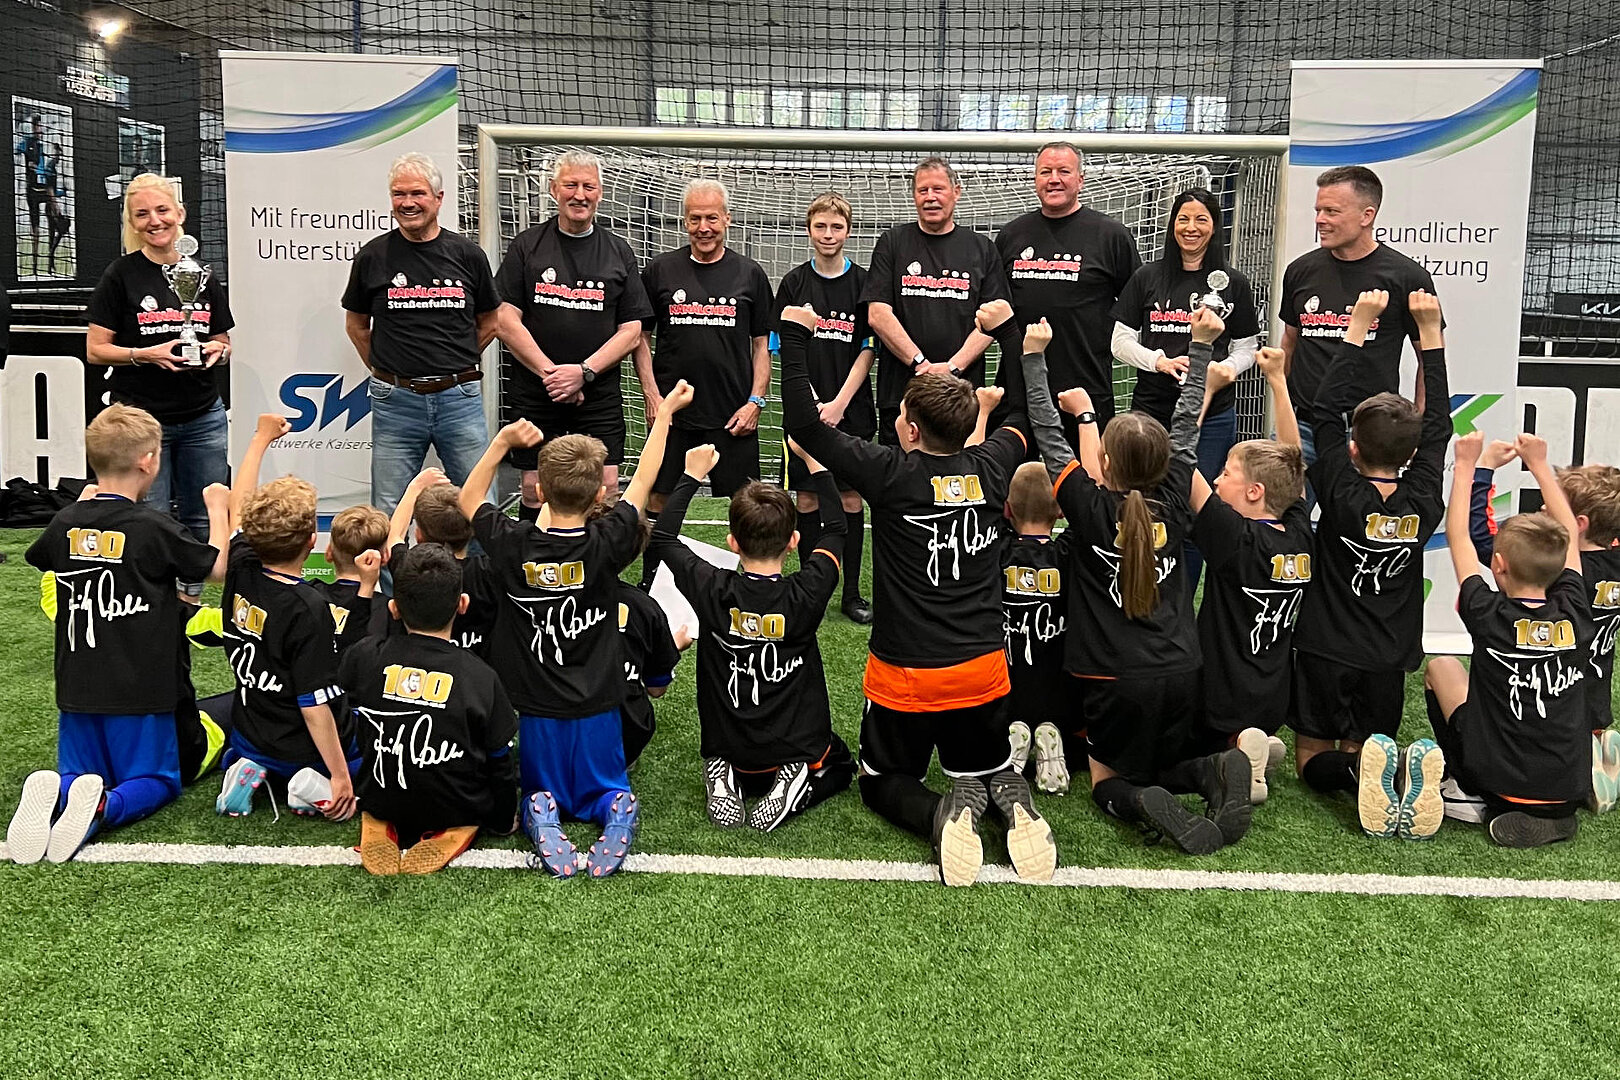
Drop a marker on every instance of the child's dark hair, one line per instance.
(1138, 452)
(427, 587)
(1029, 496)
(570, 472)
(762, 520)
(1594, 490)
(439, 516)
(944, 408)
(1386, 428)
(1535, 548)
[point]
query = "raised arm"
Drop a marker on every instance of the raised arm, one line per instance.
(1533, 452)
(1076, 401)
(271, 427)
(652, 451)
(475, 491)
(1437, 424)
(1274, 366)
(1206, 327)
(1464, 559)
(801, 416)
(1342, 387)
(400, 524)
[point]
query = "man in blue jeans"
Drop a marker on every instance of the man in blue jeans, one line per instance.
(420, 306)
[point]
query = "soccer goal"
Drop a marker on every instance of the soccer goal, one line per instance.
(773, 174)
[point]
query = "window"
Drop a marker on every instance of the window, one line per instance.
(865, 109)
(1091, 112)
(827, 108)
(670, 105)
(1131, 112)
(973, 111)
(1014, 112)
(1052, 112)
(787, 108)
(905, 109)
(1169, 113)
(1209, 114)
(748, 108)
(709, 106)
(140, 148)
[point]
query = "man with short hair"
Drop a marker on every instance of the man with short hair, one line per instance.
(572, 303)
(1067, 263)
(711, 312)
(926, 282)
(420, 306)
(1320, 288)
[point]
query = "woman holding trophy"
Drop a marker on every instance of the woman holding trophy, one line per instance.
(1153, 322)
(159, 321)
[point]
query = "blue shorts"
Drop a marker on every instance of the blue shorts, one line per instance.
(581, 762)
(240, 748)
(137, 753)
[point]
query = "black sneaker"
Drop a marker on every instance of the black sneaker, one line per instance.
(1029, 838)
(857, 610)
(1164, 813)
(1516, 829)
(722, 797)
(1232, 809)
(956, 831)
(787, 794)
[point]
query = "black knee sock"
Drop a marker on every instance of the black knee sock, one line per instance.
(1436, 717)
(649, 564)
(854, 544)
(1331, 770)
(809, 533)
(527, 512)
(1114, 797)
(827, 782)
(1195, 776)
(902, 801)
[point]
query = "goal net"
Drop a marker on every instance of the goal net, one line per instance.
(770, 188)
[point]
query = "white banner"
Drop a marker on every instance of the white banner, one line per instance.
(1452, 142)
(308, 141)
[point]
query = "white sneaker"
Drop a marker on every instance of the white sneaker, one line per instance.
(723, 799)
(1018, 740)
(78, 819)
(1051, 770)
(1276, 754)
(1252, 741)
(30, 831)
(1461, 806)
(309, 793)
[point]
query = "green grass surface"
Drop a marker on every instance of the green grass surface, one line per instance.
(212, 971)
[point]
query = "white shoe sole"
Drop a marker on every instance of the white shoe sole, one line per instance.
(1252, 741)
(1377, 806)
(1030, 844)
(69, 832)
(1018, 740)
(1421, 817)
(1276, 754)
(961, 851)
(30, 831)
(1051, 770)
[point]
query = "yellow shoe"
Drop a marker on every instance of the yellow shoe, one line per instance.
(216, 744)
(379, 846)
(434, 852)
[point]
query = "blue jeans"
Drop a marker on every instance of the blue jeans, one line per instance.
(1216, 438)
(403, 425)
(194, 456)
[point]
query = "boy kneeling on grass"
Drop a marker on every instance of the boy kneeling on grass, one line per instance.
(436, 728)
(766, 727)
(1513, 725)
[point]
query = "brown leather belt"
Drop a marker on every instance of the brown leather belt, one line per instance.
(431, 384)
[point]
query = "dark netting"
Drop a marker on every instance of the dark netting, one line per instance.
(149, 94)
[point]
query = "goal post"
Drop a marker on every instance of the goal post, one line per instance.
(772, 174)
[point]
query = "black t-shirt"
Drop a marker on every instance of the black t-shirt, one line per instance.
(841, 334)
(279, 636)
(424, 300)
(575, 292)
(761, 689)
(472, 627)
(1601, 571)
(706, 317)
(351, 612)
(1164, 642)
(1035, 607)
(116, 564)
(650, 654)
(134, 301)
(935, 284)
(556, 635)
(1160, 305)
(1364, 608)
(1254, 586)
(1318, 294)
(429, 716)
(1525, 732)
(1070, 270)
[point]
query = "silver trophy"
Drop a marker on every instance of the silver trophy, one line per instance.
(1213, 299)
(188, 278)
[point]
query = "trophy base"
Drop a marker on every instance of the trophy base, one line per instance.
(191, 354)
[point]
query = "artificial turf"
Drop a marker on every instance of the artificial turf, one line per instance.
(288, 972)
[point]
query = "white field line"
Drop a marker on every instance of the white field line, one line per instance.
(874, 870)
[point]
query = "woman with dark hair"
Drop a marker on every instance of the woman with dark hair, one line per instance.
(1151, 330)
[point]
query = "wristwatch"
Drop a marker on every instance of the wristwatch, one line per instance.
(1087, 417)
(756, 401)
(918, 361)
(586, 372)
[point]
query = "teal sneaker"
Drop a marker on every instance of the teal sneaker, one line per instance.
(1377, 802)
(1422, 807)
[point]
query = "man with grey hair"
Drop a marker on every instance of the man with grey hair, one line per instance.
(1067, 263)
(711, 325)
(572, 303)
(420, 306)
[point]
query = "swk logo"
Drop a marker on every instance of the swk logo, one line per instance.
(323, 398)
(749, 625)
